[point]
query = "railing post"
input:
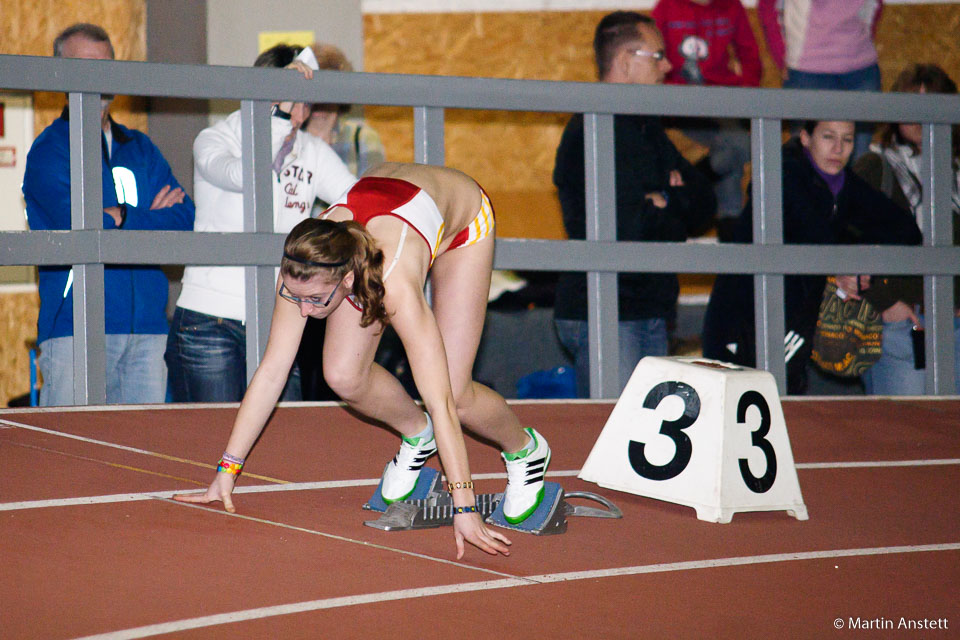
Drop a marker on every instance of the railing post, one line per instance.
(86, 212)
(938, 177)
(601, 225)
(257, 218)
(428, 148)
(428, 142)
(768, 295)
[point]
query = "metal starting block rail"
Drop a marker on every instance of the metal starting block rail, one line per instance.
(436, 510)
(433, 511)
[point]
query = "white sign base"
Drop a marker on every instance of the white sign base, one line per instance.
(700, 433)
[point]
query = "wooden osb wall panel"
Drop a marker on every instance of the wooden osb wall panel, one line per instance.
(511, 154)
(918, 33)
(18, 329)
(28, 27)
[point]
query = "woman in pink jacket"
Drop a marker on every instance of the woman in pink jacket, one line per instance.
(825, 44)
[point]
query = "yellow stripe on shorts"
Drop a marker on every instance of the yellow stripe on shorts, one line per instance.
(482, 225)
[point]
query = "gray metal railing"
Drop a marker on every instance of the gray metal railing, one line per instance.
(88, 247)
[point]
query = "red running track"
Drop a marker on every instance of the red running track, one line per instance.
(90, 543)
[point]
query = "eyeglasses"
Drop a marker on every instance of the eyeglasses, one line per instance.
(315, 301)
(656, 55)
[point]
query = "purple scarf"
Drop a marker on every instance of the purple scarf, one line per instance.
(834, 182)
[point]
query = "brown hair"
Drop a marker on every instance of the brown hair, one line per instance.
(932, 79)
(330, 58)
(328, 242)
(615, 30)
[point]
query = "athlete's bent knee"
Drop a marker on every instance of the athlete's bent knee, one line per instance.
(346, 384)
(464, 398)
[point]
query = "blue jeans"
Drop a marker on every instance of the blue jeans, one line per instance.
(638, 338)
(893, 374)
(135, 371)
(207, 360)
(866, 79)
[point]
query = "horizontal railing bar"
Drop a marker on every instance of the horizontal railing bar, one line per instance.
(187, 247)
(668, 257)
(38, 73)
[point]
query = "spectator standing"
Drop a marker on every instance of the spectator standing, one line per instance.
(824, 202)
(139, 192)
(710, 42)
(660, 197)
(206, 349)
(825, 44)
(353, 140)
(893, 166)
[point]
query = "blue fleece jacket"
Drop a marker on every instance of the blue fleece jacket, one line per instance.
(135, 296)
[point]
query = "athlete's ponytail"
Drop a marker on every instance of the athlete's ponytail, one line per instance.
(337, 248)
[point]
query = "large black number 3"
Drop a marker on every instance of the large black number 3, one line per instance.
(757, 439)
(673, 429)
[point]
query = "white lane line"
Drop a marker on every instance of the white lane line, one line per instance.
(336, 484)
(496, 476)
(102, 443)
(742, 561)
(260, 488)
(879, 463)
(333, 536)
(372, 482)
(135, 497)
(301, 607)
(403, 594)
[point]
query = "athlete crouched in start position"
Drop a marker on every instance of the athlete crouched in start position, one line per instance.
(360, 267)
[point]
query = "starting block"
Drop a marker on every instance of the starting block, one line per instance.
(428, 484)
(551, 516)
(701, 433)
(436, 510)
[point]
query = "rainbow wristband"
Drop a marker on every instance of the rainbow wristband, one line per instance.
(230, 464)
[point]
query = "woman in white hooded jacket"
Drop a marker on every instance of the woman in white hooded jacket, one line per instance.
(206, 348)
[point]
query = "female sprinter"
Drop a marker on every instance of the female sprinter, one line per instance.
(359, 266)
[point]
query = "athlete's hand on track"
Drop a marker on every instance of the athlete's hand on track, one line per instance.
(470, 527)
(219, 490)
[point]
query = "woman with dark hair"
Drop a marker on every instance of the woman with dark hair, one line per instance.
(893, 167)
(824, 202)
(362, 265)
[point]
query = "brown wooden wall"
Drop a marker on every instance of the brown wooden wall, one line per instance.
(28, 27)
(511, 154)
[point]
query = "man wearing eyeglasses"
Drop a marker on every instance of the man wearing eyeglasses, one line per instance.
(660, 197)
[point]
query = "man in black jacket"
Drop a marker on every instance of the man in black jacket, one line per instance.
(660, 197)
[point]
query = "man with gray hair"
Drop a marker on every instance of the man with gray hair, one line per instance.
(139, 192)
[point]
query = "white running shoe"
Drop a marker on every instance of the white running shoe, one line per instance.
(400, 476)
(525, 479)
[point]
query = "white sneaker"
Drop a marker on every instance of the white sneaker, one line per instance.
(525, 479)
(400, 476)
